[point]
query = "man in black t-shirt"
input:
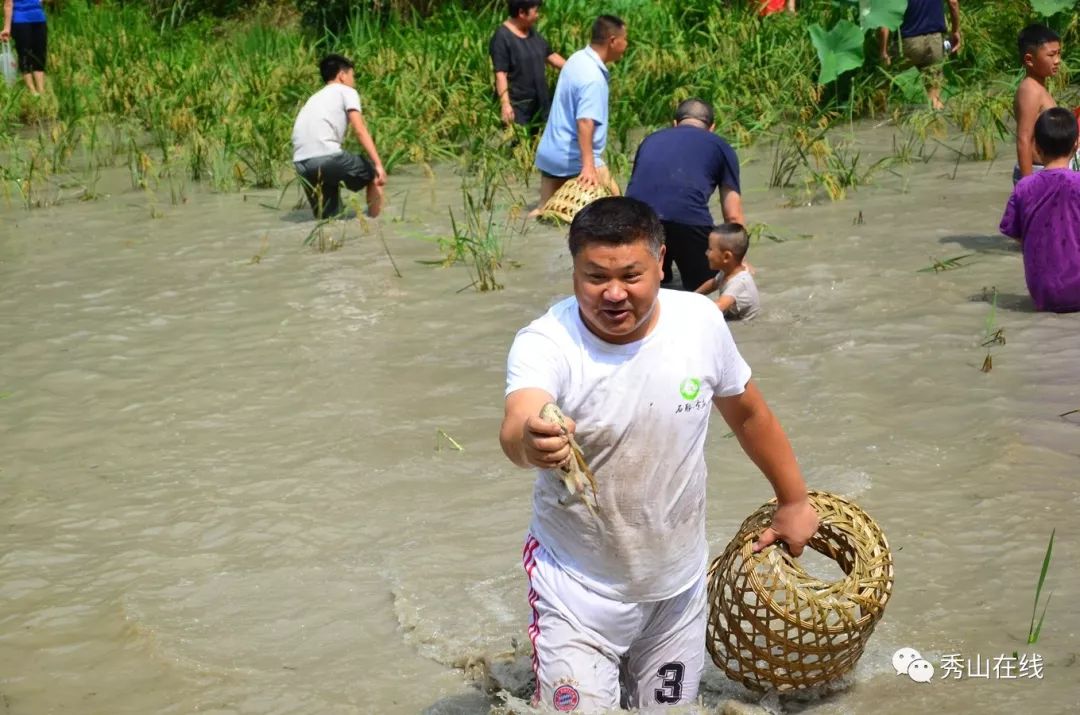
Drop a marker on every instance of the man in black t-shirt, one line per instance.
(518, 53)
(676, 171)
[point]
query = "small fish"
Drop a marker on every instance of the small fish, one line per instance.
(575, 472)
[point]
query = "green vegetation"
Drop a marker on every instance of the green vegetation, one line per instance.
(948, 264)
(992, 334)
(1035, 629)
(206, 90)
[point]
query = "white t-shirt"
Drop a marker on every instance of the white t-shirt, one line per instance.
(320, 126)
(641, 410)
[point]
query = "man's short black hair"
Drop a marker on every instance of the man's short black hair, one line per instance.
(616, 220)
(516, 7)
(694, 108)
(1055, 133)
(331, 65)
(733, 237)
(606, 26)
(1033, 37)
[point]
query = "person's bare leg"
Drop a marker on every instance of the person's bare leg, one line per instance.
(29, 79)
(548, 186)
(374, 199)
(935, 98)
(39, 82)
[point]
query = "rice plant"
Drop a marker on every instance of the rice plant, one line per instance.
(476, 241)
(992, 334)
(426, 78)
(940, 265)
(1034, 629)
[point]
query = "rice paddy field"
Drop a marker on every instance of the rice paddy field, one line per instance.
(249, 461)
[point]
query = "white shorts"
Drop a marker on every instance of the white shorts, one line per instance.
(583, 642)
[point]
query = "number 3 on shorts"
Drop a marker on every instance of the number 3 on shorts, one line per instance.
(670, 691)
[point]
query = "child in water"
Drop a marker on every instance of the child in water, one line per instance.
(738, 299)
(1044, 214)
(1040, 54)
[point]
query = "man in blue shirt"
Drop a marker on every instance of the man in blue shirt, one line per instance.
(922, 38)
(676, 171)
(576, 132)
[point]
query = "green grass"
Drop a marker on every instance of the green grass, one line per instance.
(1036, 628)
(213, 100)
(992, 334)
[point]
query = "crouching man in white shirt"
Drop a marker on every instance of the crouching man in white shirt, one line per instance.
(317, 135)
(637, 369)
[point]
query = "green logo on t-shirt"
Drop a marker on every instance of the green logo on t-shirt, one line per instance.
(689, 388)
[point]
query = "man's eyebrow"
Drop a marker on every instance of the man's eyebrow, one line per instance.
(590, 266)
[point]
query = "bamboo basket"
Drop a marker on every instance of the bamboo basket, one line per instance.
(571, 198)
(772, 625)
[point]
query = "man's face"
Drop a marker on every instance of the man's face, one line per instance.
(347, 77)
(1046, 59)
(616, 288)
(617, 46)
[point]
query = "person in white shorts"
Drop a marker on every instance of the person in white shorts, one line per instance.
(621, 595)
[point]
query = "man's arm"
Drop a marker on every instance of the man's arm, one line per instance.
(731, 205)
(588, 176)
(556, 60)
(763, 439)
(502, 88)
(528, 440)
(954, 23)
(356, 120)
(1027, 111)
(724, 302)
(9, 10)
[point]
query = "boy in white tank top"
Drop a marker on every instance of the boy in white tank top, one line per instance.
(620, 595)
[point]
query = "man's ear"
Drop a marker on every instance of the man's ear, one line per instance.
(712, 127)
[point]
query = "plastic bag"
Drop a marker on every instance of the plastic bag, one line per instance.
(7, 63)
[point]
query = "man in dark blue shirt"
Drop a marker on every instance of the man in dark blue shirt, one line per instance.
(676, 171)
(922, 38)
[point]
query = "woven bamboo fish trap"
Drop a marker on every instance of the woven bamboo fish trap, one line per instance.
(570, 198)
(772, 625)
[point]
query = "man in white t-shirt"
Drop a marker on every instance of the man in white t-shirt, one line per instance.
(317, 135)
(636, 369)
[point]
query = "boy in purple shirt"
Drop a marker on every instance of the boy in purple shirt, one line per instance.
(1044, 214)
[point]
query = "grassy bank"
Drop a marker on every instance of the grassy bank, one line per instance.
(213, 100)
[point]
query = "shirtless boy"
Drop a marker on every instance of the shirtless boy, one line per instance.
(1040, 53)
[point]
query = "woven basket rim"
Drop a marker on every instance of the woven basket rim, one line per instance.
(764, 642)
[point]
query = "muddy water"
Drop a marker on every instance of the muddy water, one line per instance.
(221, 490)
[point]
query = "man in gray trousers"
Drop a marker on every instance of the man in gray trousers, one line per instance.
(317, 135)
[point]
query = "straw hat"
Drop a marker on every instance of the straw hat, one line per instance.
(570, 198)
(772, 625)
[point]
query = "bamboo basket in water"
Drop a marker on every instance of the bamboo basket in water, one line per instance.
(772, 625)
